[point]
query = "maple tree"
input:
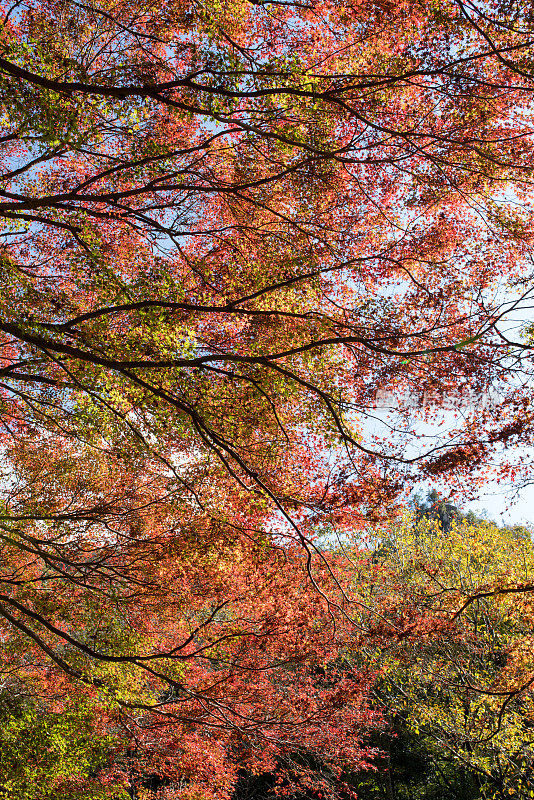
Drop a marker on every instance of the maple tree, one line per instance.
(196, 258)
(201, 655)
(227, 227)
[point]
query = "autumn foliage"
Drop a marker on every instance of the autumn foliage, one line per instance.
(459, 697)
(228, 228)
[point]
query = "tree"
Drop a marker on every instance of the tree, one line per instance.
(434, 506)
(218, 221)
(226, 228)
(51, 753)
(202, 656)
(459, 690)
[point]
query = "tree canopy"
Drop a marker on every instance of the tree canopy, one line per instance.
(227, 228)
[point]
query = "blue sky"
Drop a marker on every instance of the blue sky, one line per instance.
(512, 506)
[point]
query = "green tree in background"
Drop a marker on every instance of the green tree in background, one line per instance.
(53, 755)
(457, 686)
